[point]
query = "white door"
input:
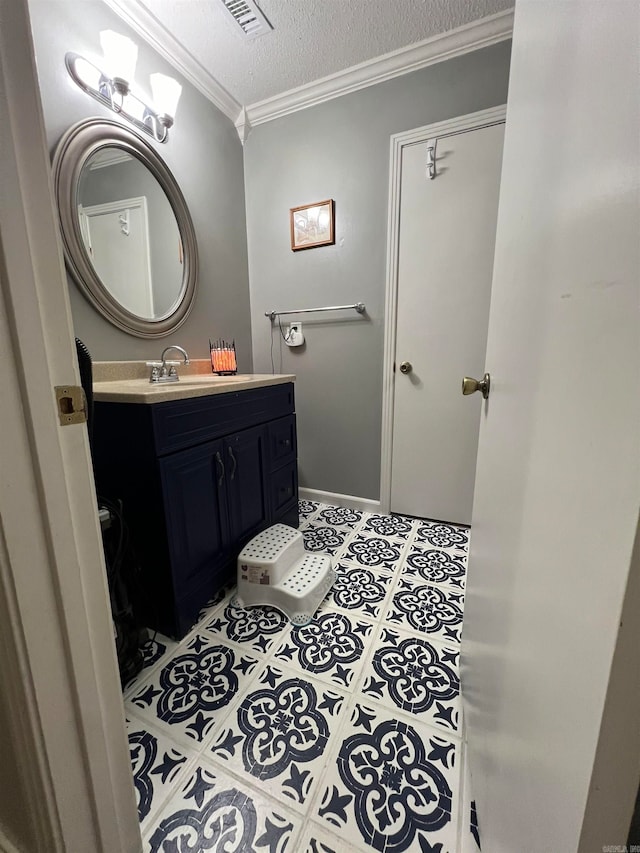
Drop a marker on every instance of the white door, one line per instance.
(65, 779)
(116, 236)
(557, 495)
(445, 263)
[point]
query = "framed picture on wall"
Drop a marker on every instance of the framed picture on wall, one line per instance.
(312, 225)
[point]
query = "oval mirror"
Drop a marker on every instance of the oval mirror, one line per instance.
(128, 237)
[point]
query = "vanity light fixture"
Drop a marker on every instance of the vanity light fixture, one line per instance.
(112, 87)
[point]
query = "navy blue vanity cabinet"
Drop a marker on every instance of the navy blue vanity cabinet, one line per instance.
(197, 525)
(283, 452)
(247, 476)
(197, 478)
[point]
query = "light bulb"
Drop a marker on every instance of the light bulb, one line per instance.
(120, 55)
(88, 73)
(135, 107)
(166, 93)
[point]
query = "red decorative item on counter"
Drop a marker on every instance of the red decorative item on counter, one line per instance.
(223, 358)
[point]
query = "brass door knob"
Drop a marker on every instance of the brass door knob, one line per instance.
(470, 386)
(406, 367)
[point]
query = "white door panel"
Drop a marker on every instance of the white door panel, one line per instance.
(558, 477)
(116, 235)
(60, 702)
(447, 233)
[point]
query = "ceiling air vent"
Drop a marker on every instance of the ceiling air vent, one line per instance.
(248, 17)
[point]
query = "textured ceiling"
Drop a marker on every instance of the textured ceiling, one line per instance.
(310, 39)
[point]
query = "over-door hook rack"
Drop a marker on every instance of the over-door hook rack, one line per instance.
(431, 158)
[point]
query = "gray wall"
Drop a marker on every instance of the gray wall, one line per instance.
(340, 150)
(132, 179)
(203, 152)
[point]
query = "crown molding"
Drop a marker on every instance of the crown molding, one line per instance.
(148, 27)
(243, 126)
(470, 37)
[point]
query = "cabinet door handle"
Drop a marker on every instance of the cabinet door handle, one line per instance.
(221, 464)
(235, 464)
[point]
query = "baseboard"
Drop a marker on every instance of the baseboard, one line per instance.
(364, 504)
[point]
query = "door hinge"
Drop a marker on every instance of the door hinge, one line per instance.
(72, 404)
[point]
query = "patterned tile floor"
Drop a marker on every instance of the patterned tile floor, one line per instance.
(343, 735)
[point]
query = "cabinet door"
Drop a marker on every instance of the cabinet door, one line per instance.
(195, 508)
(245, 457)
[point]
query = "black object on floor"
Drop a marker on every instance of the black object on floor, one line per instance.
(118, 553)
(122, 570)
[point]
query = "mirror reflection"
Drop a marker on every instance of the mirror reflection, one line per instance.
(130, 233)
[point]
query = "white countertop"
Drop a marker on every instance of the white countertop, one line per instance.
(126, 382)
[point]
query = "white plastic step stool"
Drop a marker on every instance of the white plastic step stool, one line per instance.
(275, 570)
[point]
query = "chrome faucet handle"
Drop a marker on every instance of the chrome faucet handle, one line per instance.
(155, 366)
(161, 371)
(168, 370)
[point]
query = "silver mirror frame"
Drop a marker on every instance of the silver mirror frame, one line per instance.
(76, 146)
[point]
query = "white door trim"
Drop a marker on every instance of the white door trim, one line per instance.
(61, 702)
(471, 121)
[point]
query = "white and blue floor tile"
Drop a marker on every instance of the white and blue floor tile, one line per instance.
(214, 812)
(195, 688)
(391, 785)
(427, 609)
(157, 764)
(323, 538)
(390, 526)
(436, 567)
(339, 516)
(441, 535)
(416, 676)
(279, 735)
(373, 552)
(316, 839)
(344, 734)
(360, 591)
(257, 628)
(331, 647)
(306, 509)
(473, 824)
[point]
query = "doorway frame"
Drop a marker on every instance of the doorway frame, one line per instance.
(398, 142)
(61, 704)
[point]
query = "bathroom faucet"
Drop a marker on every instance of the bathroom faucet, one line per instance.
(165, 371)
(173, 346)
